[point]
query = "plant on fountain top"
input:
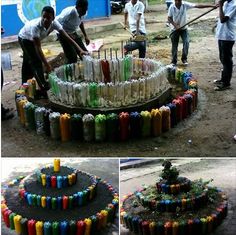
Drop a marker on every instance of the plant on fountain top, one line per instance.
(169, 173)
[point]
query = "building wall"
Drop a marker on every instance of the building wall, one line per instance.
(15, 13)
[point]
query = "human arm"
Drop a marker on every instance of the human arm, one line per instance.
(80, 52)
(126, 19)
(84, 33)
(138, 23)
(222, 16)
(170, 20)
(37, 44)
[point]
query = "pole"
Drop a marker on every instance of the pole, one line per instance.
(194, 20)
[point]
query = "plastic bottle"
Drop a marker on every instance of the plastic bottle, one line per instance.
(156, 122)
(65, 127)
(124, 125)
(17, 224)
(88, 127)
(24, 226)
(136, 123)
(76, 126)
(100, 127)
(146, 123)
(39, 228)
(32, 227)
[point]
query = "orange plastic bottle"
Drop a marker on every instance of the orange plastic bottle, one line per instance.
(65, 127)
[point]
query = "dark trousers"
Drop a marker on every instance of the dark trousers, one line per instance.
(69, 49)
(32, 65)
(175, 41)
(226, 58)
(141, 46)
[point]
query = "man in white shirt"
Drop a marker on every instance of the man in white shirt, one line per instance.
(226, 35)
(134, 14)
(71, 18)
(30, 37)
(177, 17)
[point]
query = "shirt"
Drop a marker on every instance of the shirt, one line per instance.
(133, 11)
(179, 16)
(227, 31)
(69, 19)
(35, 29)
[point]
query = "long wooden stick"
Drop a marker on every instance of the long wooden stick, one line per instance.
(193, 20)
(125, 28)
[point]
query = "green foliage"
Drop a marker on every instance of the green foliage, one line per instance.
(135, 203)
(198, 186)
(169, 173)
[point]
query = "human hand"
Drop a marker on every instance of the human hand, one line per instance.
(177, 26)
(48, 68)
(81, 53)
(87, 40)
(125, 26)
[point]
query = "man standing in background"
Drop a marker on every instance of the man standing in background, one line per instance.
(177, 17)
(71, 18)
(134, 13)
(226, 35)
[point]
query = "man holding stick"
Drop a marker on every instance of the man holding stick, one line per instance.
(226, 35)
(177, 17)
(134, 13)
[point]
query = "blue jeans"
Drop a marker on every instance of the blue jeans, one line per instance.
(175, 41)
(141, 46)
(226, 58)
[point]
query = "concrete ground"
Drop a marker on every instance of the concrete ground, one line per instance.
(222, 171)
(107, 169)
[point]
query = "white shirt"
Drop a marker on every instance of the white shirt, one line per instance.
(227, 31)
(179, 16)
(34, 29)
(69, 19)
(133, 11)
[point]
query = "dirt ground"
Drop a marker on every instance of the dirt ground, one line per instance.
(223, 173)
(208, 132)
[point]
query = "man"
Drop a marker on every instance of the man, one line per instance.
(30, 37)
(71, 18)
(134, 13)
(226, 35)
(177, 17)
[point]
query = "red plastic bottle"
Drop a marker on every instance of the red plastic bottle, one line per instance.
(53, 181)
(80, 227)
(31, 227)
(124, 125)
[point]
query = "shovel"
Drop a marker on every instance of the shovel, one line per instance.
(135, 38)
